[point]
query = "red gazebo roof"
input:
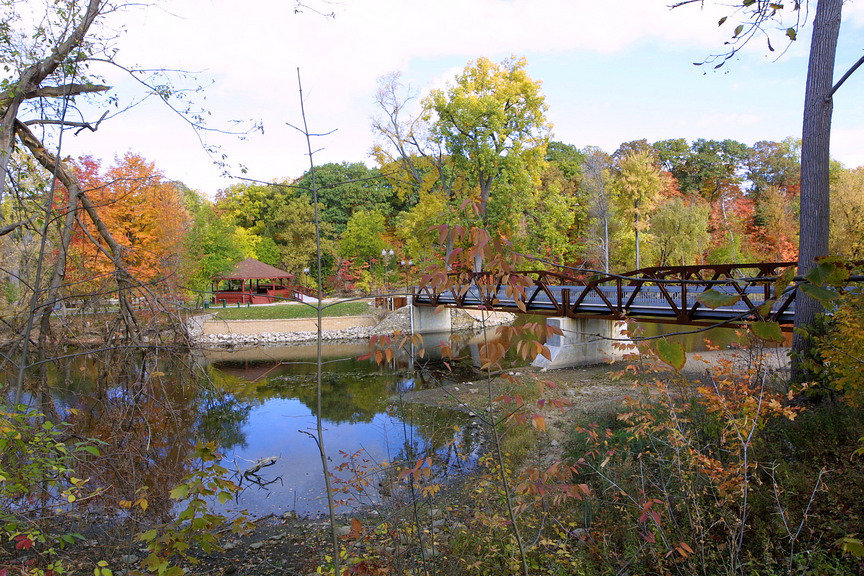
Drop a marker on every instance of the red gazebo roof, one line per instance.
(252, 269)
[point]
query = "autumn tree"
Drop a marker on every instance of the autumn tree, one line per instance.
(491, 121)
(409, 158)
(637, 185)
(144, 212)
(847, 214)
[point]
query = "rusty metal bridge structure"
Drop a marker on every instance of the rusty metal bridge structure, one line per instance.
(672, 294)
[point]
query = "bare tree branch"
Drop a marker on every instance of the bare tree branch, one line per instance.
(30, 80)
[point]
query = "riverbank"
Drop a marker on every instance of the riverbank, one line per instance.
(208, 331)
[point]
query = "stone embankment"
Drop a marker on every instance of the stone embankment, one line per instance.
(209, 331)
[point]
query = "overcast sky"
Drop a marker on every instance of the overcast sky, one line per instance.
(611, 71)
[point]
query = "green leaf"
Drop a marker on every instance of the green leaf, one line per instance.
(853, 546)
(147, 536)
(827, 272)
(738, 30)
(783, 280)
(767, 331)
(91, 449)
(223, 497)
(749, 2)
(823, 295)
(672, 353)
(179, 492)
(792, 34)
(722, 20)
(714, 299)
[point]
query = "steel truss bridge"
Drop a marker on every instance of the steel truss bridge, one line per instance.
(746, 292)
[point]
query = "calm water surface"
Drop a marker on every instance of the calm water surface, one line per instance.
(259, 405)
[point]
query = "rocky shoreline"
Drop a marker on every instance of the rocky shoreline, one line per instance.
(399, 320)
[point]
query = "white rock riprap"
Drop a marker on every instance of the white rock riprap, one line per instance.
(399, 320)
(281, 337)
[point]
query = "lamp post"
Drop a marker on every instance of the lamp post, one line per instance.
(386, 255)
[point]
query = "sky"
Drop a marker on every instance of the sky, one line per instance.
(611, 72)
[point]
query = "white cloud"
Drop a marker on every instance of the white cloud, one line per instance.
(253, 50)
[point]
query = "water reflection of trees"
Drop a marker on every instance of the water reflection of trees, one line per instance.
(141, 409)
(351, 391)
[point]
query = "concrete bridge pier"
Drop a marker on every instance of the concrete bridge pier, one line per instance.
(427, 321)
(585, 341)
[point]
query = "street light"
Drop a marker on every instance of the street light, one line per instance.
(386, 255)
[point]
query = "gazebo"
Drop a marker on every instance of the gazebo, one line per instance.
(252, 281)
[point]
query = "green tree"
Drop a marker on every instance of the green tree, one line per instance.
(294, 225)
(637, 184)
(492, 122)
(414, 226)
(776, 164)
(210, 245)
(251, 206)
(261, 248)
(364, 236)
(556, 217)
(567, 158)
(680, 231)
(344, 189)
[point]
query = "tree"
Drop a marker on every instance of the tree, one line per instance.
(251, 206)
(345, 188)
(210, 244)
(596, 183)
(363, 236)
(754, 19)
(775, 164)
(847, 214)
(492, 122)
(144, 212)
(294, 223)
(637, 185)
(680, 231)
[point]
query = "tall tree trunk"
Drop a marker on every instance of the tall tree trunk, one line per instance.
(815, 154)
(485, 191)
(636, 230)
(606, 243)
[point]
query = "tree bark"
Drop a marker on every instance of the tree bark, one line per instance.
(815, 155)
(125, 282)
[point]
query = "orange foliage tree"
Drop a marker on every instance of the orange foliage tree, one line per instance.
(144, 212)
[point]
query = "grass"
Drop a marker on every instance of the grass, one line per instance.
(289, 311)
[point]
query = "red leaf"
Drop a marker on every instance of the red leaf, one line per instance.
(23, 542)
(649, 537)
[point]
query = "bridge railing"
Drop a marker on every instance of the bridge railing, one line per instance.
(669, 292)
